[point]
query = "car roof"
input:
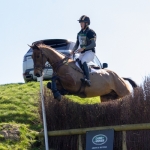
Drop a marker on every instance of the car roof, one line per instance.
(54, 42)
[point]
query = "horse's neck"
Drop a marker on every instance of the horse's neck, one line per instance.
(53, 56)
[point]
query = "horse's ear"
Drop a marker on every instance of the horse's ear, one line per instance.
(29, 45)
(33, 46)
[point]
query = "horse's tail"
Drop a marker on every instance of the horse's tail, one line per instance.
(134, 85)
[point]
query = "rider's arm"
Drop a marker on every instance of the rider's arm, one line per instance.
(92, 45)
(91, 35)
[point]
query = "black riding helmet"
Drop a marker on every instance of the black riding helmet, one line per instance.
(85, 19)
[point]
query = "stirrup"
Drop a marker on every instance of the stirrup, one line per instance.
(88, 82)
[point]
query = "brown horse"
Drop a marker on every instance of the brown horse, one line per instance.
(106, 84)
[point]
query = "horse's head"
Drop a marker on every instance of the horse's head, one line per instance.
(39, 60)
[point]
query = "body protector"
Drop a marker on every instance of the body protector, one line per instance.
(84, 38)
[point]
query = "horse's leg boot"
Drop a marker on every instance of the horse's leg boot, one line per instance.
(55, 92)
(86, 73)
(49, 85)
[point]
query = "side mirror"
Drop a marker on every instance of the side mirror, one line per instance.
(105, 65)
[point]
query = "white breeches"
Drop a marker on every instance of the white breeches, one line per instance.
(86, 56)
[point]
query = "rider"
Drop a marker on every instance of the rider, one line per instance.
(86, 38)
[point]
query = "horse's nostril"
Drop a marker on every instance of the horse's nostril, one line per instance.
(37, 74)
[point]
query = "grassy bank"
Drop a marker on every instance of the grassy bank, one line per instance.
(19, 115)
(19, 110)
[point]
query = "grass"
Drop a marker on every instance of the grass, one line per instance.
(19, 105)
(83, 101)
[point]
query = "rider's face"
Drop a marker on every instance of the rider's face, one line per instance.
(82, 24)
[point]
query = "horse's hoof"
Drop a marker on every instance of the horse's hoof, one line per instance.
(59, 98)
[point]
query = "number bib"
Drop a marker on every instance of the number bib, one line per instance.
(82, 40)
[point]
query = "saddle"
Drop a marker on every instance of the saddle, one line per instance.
(92, 67)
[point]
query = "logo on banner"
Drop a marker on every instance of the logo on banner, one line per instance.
(99, 139)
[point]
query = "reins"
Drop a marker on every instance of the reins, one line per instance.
(57, 66)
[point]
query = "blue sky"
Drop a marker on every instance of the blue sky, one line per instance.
(122, 27)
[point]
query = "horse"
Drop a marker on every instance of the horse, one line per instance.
(67, 76)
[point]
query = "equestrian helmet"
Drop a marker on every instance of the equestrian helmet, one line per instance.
(85, 19)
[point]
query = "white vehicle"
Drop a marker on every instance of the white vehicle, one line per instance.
(62, 45)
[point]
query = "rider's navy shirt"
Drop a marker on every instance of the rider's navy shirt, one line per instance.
(84, 38)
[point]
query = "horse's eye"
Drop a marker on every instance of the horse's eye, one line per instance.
(38, 56)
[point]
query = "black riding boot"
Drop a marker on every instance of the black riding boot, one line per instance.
(86, 73)
(79, 63)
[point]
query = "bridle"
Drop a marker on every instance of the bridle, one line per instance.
(39, 67)
(55, 65)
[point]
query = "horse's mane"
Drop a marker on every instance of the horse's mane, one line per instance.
(41, 45)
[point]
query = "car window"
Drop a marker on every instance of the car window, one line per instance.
(96, 61)
(67, 54)
(60, 46)
(71, 45)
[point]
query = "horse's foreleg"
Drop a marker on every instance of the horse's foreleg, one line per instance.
(53, 87)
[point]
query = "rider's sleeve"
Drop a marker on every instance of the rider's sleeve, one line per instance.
(76, 45)
(92, 37)
(92, 45)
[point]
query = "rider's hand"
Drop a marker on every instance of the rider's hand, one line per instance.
(72, 52)
(80, 50)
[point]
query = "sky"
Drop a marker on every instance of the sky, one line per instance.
(122, 28)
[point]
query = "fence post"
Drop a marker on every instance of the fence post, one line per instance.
(124, 144)
(80, 143)
(43, 113)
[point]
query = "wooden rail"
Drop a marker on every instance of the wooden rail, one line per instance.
(123, 128)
